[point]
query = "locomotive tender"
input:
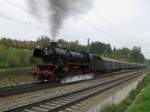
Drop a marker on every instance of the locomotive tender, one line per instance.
(60, 63)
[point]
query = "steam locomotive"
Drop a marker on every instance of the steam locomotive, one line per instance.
(60, 63)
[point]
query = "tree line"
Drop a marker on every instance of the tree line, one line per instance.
(17, 53)
(102, 49)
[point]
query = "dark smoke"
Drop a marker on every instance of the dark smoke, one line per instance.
(58, 10)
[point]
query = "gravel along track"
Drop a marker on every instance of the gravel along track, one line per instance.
(62, 102)
(15, 90)
(43, 94)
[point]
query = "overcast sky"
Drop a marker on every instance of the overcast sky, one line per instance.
(121, 23)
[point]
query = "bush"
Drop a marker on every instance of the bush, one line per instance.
(12, 57)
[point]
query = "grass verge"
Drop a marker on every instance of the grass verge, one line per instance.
(142, 102)
(15, 76)
(128, 101)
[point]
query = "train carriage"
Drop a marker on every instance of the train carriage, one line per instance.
(98, 64)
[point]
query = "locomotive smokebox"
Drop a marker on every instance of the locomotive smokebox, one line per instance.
(40, 52)
(37, 52)
(53, 44)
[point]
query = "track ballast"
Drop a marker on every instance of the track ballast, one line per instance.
(62, 102)
(20, 89)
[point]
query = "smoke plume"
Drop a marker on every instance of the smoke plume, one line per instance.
(59, 10)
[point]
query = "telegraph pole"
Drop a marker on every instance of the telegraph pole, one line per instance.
(88, 45)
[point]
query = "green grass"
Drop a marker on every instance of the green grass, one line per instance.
(12, 57)
(15, 76)
(142, 103)
(125, 104)
(15, 65)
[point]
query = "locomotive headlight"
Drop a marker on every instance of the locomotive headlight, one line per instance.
(35, 67)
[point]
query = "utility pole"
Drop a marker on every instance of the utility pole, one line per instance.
(88, 45)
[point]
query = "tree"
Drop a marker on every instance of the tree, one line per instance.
(101, 49)
(71, 45)
(6, 42)
(136, 55)
(21, 54)
(108, 51)
(43, 41)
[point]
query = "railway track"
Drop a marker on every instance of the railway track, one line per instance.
(20, 89)
(60, 103)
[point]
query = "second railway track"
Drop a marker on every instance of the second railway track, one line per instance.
(15, 90)
(62, 102)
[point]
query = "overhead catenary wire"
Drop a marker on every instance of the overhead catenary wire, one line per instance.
(73, 13)
(13, 19)
(112, 26)
(89, 23)
(29, 24)
(76, 15)
(21, 21)
(24, 9)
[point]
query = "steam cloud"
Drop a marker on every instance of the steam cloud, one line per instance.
(58, 11)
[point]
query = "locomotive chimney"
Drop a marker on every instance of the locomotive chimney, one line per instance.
(53, 44)
(54, 39)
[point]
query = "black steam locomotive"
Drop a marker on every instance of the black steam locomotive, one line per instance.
(60, 63)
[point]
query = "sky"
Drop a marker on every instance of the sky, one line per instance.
(121, 23)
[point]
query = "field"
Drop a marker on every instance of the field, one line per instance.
(14, 57)
(15, 76)
(15, 65)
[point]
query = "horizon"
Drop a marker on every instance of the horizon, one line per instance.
(126, 27)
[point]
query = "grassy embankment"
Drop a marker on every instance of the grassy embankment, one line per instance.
(142, 103)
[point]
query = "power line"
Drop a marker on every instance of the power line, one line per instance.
(17, 20)
(113, 27)
(76, 15)
(13, 19)
(72, 13)
(86, 21)
(24, 9)
(2, 15)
